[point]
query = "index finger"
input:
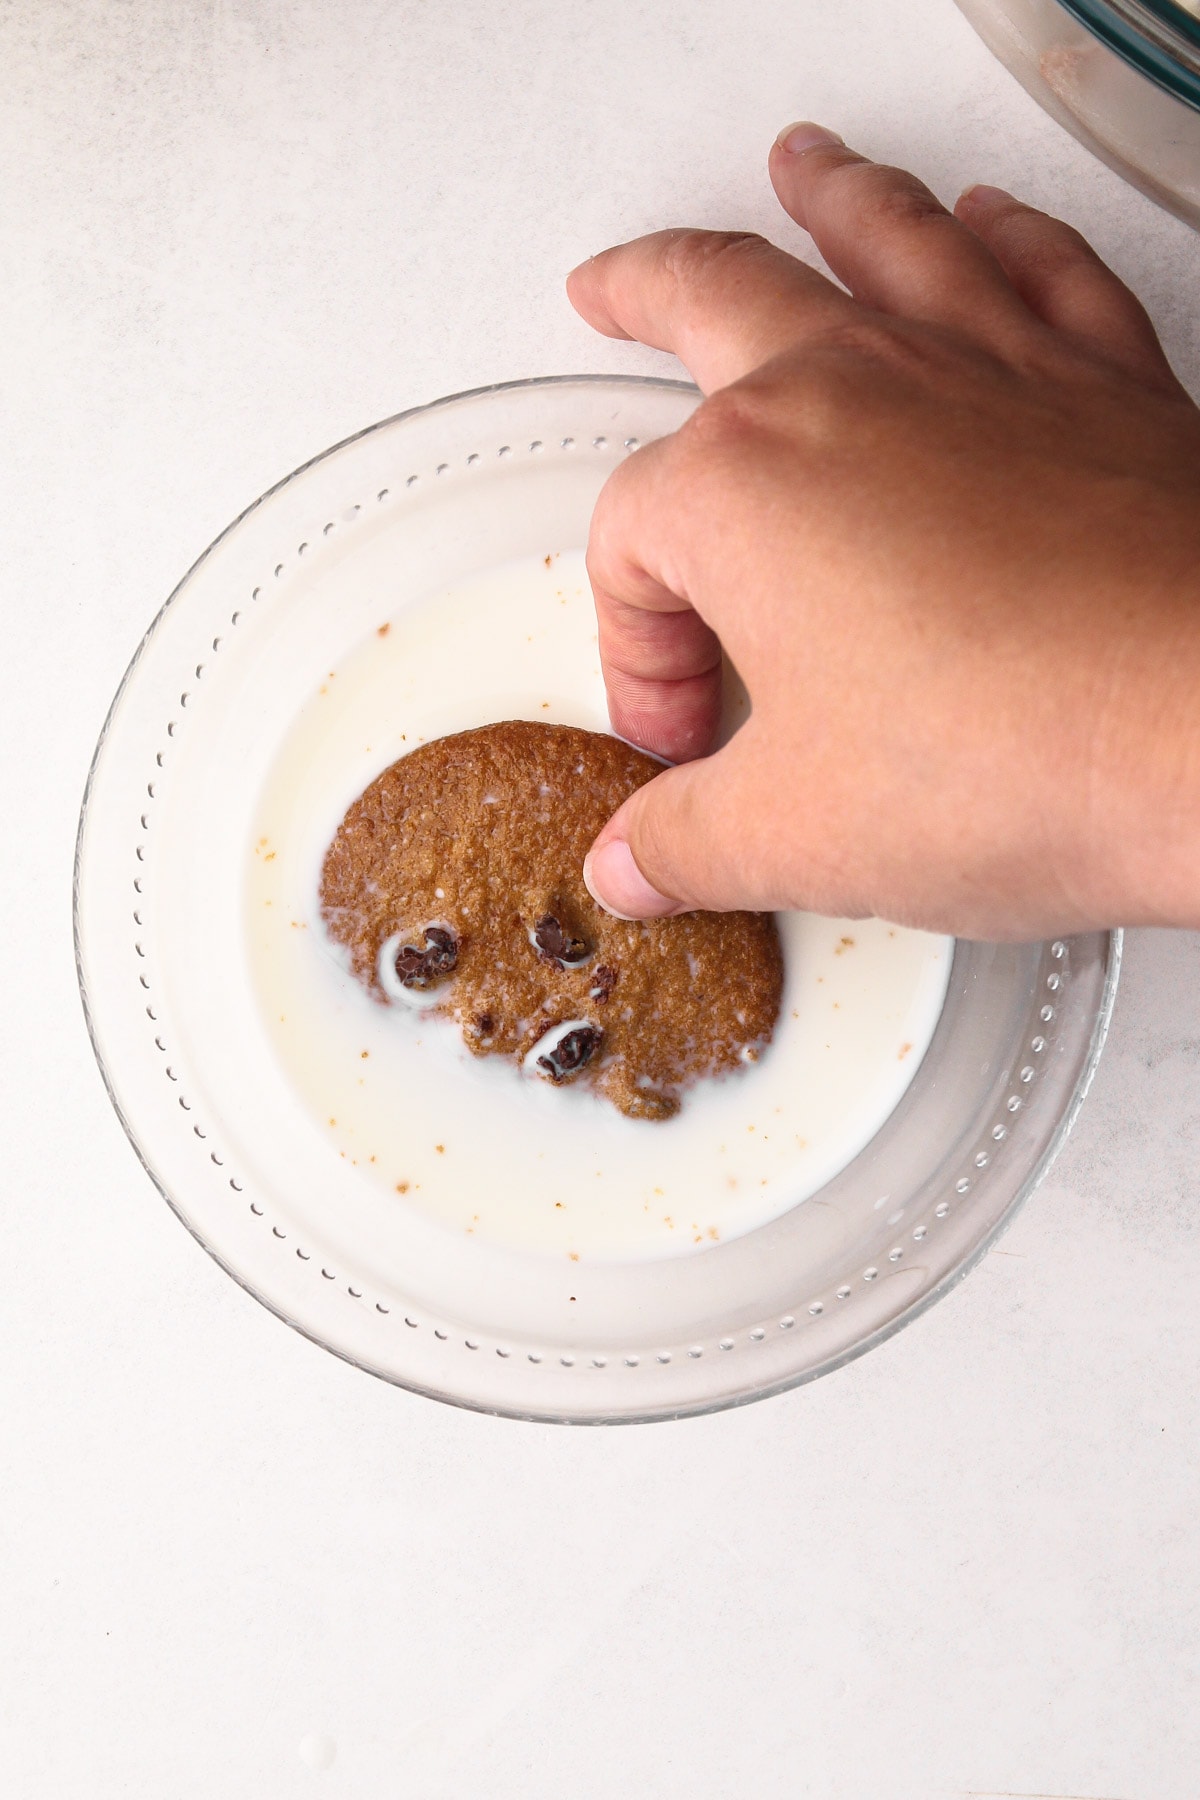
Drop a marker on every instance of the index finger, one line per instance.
(723, 302)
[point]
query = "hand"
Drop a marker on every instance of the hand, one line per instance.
(946, 526)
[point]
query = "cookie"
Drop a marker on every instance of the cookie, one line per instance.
(455, 882)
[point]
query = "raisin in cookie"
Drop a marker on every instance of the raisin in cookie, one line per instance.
(455, 882)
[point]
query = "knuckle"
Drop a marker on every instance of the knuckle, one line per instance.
(800, 395)
(1047, 244)
(847, 369)
(692, 256)
(1070, 246)
(618, 485)
(614, 533)
(607, 516)
(852, 338)
(892, 198)
(642, 470)
(724, 423)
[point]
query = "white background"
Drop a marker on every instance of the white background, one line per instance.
(232, 1567)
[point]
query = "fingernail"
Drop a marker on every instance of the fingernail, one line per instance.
(616, 883)
(982, 195)
(796, 139)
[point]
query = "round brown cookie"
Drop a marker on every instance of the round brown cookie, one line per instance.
(456, 878)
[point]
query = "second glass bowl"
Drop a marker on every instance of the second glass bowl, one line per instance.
(1122, 75)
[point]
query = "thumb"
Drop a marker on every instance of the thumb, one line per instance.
(682, 843)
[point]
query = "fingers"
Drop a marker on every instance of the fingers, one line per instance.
(1060, 277)
(680, 843)
(661, 662)
(662, 674)
(723, 302)
(890, 240)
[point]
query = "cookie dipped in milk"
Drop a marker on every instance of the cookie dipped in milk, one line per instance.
(455, 881)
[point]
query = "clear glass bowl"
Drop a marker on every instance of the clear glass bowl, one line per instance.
(415, 503)
(1122, 75)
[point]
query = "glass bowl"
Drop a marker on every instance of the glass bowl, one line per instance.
(411, 505)
(1122, 75)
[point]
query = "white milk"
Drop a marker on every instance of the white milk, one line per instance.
(472, 1141)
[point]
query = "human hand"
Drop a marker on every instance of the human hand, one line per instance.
(946, 527)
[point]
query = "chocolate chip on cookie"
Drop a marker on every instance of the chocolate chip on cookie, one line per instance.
(557, 945)
(564, 1051)
(421, 968)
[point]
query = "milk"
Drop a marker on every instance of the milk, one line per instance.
(471, 1141)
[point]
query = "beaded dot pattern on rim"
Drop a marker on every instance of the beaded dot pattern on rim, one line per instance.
(806, 1308)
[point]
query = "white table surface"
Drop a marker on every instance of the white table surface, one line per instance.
(231, 1567)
